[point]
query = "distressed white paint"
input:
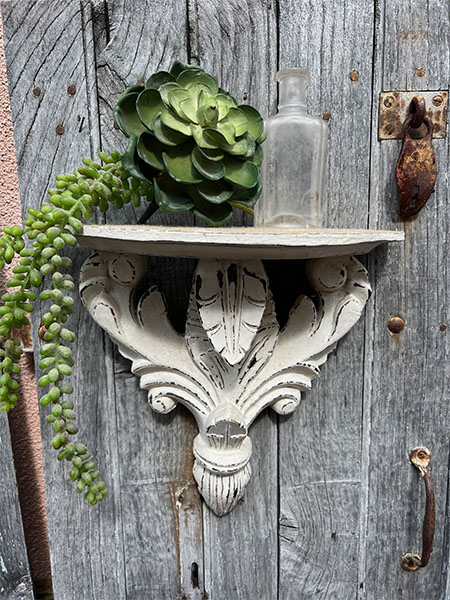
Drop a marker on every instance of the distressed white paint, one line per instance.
(233, 360)
(234, 243)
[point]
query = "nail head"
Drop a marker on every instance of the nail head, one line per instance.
(60, 129)
(354, 75)
(396, 324)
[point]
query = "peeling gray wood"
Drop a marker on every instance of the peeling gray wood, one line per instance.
(320, 484)
(237, 42)
(49, 45)
(162, 535)
(15, 579)
(407, 394)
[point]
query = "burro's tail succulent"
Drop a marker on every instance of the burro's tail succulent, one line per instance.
(189, 139)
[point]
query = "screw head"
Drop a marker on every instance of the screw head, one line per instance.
(396, 324)
(438, 100)
(326, 116)
(60, 129)
(354, 75)
(389, 101)
(420, 72)
(36, 92)
(71, 90)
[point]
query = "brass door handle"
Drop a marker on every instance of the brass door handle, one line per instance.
(420, 457)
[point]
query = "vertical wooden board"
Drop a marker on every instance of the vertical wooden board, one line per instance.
(333, 40)
(15, 579)
(237, 42)
(406, 391)
(320, 475)
(47, 47)
(156, 451)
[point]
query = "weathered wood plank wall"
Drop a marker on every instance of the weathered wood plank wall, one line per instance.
(407, 391)
(15, 579)
(333, 501)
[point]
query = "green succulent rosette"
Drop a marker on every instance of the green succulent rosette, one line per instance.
(190, 140)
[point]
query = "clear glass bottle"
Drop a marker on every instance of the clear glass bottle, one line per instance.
(292, 171)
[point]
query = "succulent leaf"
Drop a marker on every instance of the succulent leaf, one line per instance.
(191, 77)
(129, 161)
(201, 140)
(178, 67)
(158, 79)
(126, 116)
(211, 153)
(239, 121)
(212, 214)
(225, 103)
(150, 150)
(213, 170)
(132, 89)
(173, 122)
(255, 121)
(179, 165)
(169, 198)
(213, 192)
(258, 156)
(166, 135)
(148, 106)
(188, 109)
(166, 89)
(243, 174)
(224, 134)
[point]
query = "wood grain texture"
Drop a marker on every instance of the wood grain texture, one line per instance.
(320, 485)
(237, 243)
(48, 45)
(237, 42)
(157, 544)
(406, 400)
(15, 579)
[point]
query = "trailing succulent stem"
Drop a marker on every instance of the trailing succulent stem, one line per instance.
(50, 229)
(191, 148)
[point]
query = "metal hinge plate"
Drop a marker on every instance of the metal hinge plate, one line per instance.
(394, 107)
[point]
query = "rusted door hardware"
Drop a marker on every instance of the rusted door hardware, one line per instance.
(394, 108)
(420, 457)
(415, 173)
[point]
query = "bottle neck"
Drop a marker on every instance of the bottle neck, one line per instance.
(292, 92)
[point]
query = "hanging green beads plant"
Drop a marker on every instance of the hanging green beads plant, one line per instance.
(191, 148)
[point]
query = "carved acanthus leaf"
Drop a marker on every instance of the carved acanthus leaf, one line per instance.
(231, 298)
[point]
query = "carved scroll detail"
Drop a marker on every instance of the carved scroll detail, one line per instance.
(233, 360)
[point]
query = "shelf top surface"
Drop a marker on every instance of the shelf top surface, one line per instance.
(234, 243)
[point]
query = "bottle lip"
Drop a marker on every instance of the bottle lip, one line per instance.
(304, 73)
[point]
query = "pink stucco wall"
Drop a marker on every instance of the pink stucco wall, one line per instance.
(24, 420)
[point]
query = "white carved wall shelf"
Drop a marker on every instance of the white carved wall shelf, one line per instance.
(233, 360)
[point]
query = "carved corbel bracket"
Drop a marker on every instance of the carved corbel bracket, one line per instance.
(234, 360)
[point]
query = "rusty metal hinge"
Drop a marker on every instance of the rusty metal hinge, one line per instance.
(415, 173)
(394, 108)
